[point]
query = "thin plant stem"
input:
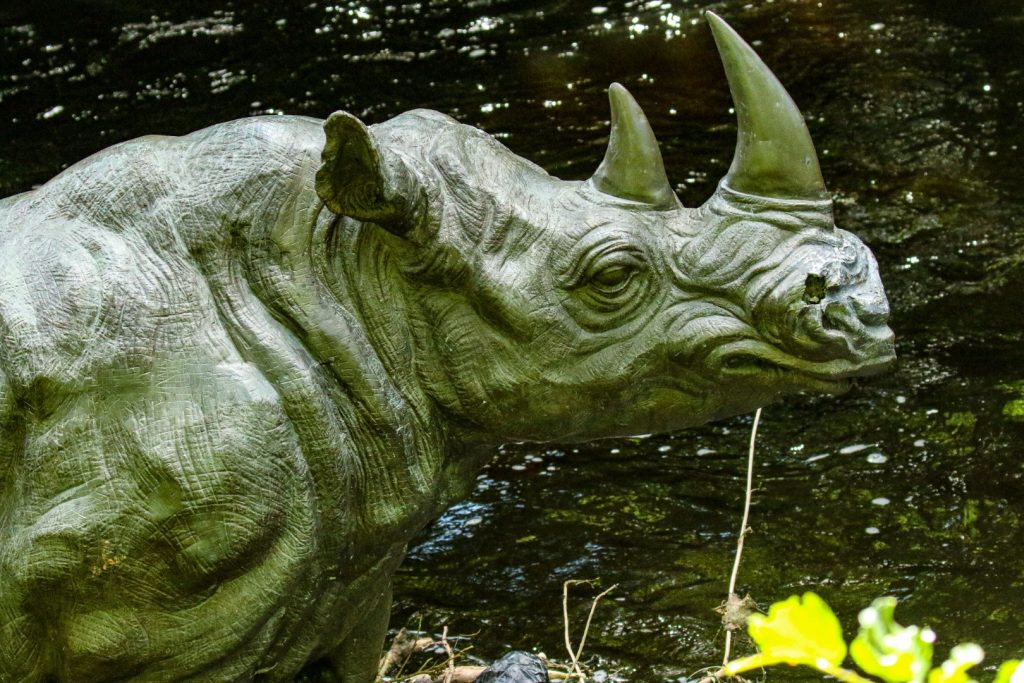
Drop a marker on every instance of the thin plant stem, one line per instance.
(576, 653)
(450, 669)
(743, 526)
(565, 619)
(756, 662)
(590, 617)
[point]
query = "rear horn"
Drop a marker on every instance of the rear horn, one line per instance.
(632, 167)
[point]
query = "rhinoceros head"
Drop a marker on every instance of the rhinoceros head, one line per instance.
(540, 308)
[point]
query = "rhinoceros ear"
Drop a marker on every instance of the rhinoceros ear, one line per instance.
(356, 180)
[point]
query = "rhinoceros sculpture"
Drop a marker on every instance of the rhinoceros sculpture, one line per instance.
(239, 369)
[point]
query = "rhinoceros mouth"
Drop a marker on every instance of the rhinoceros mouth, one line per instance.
(750, 358)
(750, 365)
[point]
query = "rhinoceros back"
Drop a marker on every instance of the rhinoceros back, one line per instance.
(165, 433)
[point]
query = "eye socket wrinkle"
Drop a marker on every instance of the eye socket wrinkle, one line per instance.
(611, 249)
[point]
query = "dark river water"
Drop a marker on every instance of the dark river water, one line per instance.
(910, 485)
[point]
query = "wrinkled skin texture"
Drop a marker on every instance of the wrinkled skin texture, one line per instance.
(239, 369)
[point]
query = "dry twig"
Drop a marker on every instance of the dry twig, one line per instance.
(402, 648)
(575, 655)
(450, 670)
(735, 609)
(743, 530)
(405, 645)
(461, 674)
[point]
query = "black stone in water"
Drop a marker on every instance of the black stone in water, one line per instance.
(515, 667)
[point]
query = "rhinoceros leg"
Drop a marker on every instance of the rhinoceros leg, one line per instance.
(167, 556)
(357, 658)
(155, 516)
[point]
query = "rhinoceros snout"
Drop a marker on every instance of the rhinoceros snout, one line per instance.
(858, 323)
(855, 315)
(839, 312)
(838, 330)
(871, 310)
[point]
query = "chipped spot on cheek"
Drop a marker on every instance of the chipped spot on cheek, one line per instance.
(814, 288)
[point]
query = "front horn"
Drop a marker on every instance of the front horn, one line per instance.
(632, 168)
(774, 153)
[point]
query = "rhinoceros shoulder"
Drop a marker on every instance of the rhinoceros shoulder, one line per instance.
(107, 245)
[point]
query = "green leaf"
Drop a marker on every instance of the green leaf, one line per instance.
(885, 649)
(1010, 671)
(795, 631)
(954, 670)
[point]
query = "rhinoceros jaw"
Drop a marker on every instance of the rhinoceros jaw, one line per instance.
(754, 359)
(762, 371)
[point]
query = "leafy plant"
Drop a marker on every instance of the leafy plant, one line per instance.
(804, 631)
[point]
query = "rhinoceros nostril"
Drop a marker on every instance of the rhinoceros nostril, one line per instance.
(814, 288)
(837, 315)
(872, 312)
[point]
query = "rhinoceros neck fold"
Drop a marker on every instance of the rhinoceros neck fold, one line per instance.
(361, 266)
(371, 448)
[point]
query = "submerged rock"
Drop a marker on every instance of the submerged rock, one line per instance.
(515, 667)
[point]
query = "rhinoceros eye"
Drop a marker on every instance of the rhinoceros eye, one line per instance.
(609, 281)
(614, 278)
